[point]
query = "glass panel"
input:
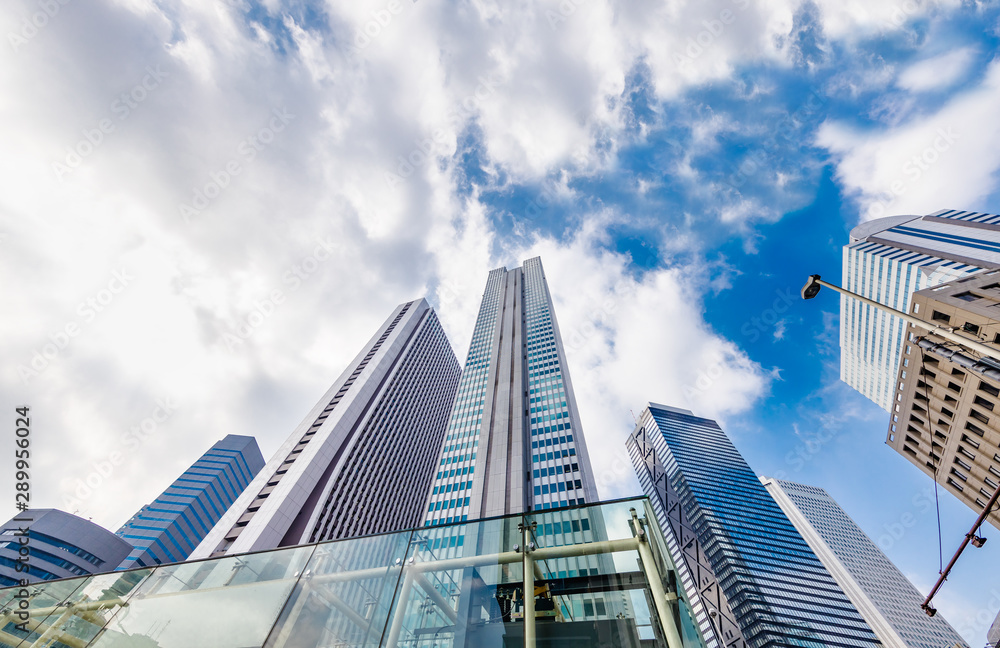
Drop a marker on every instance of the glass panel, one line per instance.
(229, 602)
(458, 587)
(80, 618)
(41, 600)
(344, 595)
(592, 600)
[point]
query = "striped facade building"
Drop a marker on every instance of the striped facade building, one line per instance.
(168, 529)
(749, 576)
(361, 461)
(514, 442)
(887, 260)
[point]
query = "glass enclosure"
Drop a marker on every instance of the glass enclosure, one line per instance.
(596, 576)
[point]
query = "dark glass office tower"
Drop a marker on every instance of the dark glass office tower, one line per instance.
(362, 460)
(754, 571)
(169, 529)
(514, 442)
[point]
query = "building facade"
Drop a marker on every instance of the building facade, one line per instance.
(887, 260)
(56, 545)
(420, 590)
(514, 441)
(945, 416)
(169, 529)
(884, 597)
(362, 459)
(749, 576)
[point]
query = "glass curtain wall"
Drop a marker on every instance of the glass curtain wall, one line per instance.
(460, 585)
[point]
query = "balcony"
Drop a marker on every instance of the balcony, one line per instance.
(598, 576)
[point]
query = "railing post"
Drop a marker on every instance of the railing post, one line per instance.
(663, 610)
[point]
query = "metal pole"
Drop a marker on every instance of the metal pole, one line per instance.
(926, 605)
(664, 613)
(940, 331)
(401, 605)
(529, 598)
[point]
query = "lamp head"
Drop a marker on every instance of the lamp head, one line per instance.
(811, 288)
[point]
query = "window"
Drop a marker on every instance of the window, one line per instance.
(966, 296)
(963, 464)
(959, 475)
(938, 316)
(989, 389)
(975, 429)
(970, 441)
(955, 484)
(969, 327)
(982, 402)
(957, 372)
(979, 416)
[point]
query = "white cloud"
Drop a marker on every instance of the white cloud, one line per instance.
(632, 341)
(538, 91)
(945, 159)
(938, 72)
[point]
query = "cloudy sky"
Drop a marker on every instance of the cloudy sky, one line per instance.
(170, 167)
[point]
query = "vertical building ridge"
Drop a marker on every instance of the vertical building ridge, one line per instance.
(371, 439)
(514, 440)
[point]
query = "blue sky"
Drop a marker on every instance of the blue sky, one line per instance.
(681, 167)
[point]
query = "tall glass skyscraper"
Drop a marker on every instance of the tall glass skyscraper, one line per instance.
(46, 544)
(361, 461)
(884, 597)
(886, 260)
(749, 576)
(514, 442)
(171, 527)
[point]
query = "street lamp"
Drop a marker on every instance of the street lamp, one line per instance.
(811, 289)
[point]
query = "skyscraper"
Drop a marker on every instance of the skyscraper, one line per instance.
(514, 441)
(46, 544)
(749, 576)
(361, 461)
(944, 417)
(884, 597)
(168, 529)
(886, 260)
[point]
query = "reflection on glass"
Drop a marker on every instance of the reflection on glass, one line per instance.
(459, 586)
(230, 602)
(43, 601)
(89, 609)
(344, 595)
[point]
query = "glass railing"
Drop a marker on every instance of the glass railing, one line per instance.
(596, 575)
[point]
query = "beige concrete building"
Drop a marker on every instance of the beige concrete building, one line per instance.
(946, 414)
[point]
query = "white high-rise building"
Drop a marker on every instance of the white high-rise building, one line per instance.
(888, 259)
(514, 442)
(361, 461)
(889, 603)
